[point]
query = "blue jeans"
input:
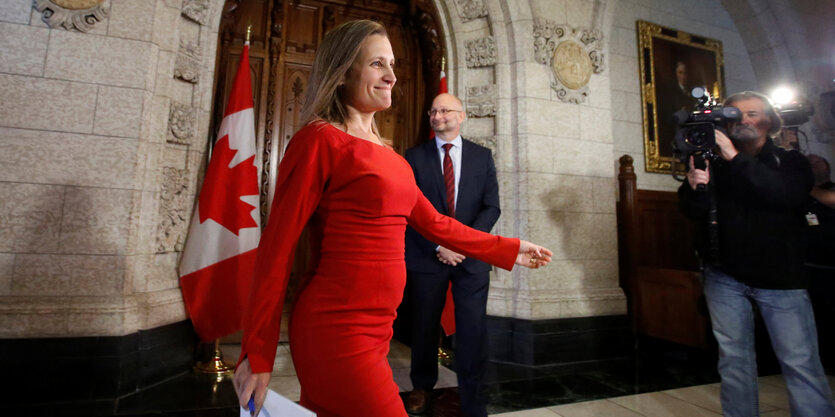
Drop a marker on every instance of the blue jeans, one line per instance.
(791, 327)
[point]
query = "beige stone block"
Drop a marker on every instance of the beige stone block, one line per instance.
(22, 49)
(627, 13)
(95, 220)
(575, 235)
(624, 42)
(160, 271)
(600, 94)
(628, 136)
(118, 111)
(596, 124)
(15, 11)
(157, 128)
(583, 13)
(96, 323)
(100, 60)
(164, 73)
(549, 9)
(577, 157)
(189, 31)
(604, 194)
(164, 307)
(16, 325)
(624, 73)
(67, 275)
(166, 27)
(550, 118)
(559, 192)
(131, 19)
(174, 156)
(61, 158)
(30, 217)
(577, 275)
(626, 107)
(535, 81)
(539, 151)
(6, 271)
(36, 103)
(520, 40)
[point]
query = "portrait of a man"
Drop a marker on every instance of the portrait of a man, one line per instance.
(672, 63)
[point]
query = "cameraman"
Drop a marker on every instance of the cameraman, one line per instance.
(759, 192)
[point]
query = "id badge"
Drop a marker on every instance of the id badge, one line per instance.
(812, 219)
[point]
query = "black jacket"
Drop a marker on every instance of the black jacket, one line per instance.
(760, 201)
(477, 205)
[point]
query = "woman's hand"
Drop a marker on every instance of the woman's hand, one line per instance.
(248, 384)
(532, 256)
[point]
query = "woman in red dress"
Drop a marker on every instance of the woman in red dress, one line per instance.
(357, 195)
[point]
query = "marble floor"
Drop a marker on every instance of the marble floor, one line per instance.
(666, 384)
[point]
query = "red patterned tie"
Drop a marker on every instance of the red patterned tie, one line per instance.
(449, 180)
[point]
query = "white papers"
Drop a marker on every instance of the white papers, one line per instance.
(277, 406)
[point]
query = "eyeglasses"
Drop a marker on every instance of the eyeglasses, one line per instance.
(442, 112)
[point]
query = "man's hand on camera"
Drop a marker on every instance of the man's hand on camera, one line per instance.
(698, 176)
(726, 147)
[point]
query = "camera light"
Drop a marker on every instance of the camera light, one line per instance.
(782, 95)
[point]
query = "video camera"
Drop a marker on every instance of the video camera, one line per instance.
(695, 133)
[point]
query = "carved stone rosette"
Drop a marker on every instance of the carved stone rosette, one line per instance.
(573, 54)
(182, 120)
(481, 52)
(187, 65)
(471, 9)
(173, 210)
(481, 101)
(196, 10)
(80, 15)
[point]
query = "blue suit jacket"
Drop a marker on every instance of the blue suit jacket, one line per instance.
(477, 206)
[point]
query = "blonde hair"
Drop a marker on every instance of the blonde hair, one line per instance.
(334, 57)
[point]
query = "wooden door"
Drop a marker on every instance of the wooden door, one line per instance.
(283, 41)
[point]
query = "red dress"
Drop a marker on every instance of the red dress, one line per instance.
(357, 197)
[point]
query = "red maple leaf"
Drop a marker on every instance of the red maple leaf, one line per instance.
(220, 198)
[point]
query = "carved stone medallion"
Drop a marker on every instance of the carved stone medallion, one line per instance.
(80, 15)
(573, 54)
(571, 65)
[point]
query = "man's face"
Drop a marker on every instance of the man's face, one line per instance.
(755, 123)
(681, 74)
(449, 124)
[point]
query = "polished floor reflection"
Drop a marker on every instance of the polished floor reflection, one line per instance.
(660, 381)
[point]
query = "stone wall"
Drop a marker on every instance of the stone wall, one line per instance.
(99, 156)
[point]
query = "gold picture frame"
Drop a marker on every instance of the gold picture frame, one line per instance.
(672, 62)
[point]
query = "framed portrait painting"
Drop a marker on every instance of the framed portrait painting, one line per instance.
(672, 63)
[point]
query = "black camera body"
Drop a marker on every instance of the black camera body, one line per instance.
(695, 133)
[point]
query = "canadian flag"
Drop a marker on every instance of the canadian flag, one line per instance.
(219, 255)
(448, 314)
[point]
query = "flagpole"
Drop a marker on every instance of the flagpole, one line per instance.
(215, 365)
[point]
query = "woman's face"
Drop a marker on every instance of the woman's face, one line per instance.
(368, 83)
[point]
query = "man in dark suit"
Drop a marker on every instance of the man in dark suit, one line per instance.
(459, 178)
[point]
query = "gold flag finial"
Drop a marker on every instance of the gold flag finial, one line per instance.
(248, 32)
